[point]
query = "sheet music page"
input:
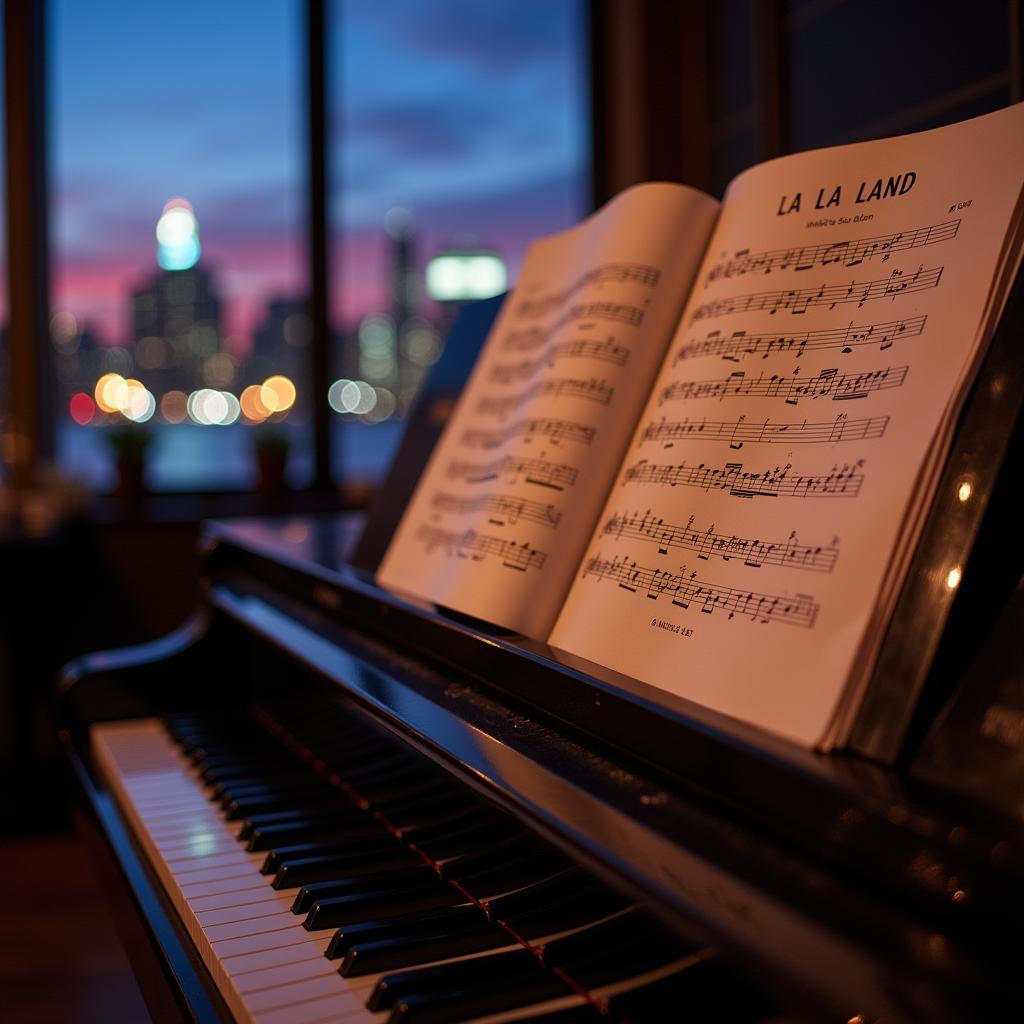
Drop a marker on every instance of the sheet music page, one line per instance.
(503, 512)
(831, 327)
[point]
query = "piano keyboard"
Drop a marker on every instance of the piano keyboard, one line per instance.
(341, 877)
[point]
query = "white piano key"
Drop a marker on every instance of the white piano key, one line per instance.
(246, 912)
(214, 887)
(316, 1011)
(241, 898)
(304, 991)
(224, 873)
(241, 964)
(218, 860)
(273, 922)
(273, 974)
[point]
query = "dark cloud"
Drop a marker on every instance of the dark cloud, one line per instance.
(415, 129)
(496, 35)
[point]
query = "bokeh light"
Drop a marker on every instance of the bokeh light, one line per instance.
(139, 403)
(174, 406)
(277, 393)
(82, 408)
(111, 392)
(177, 234)
(252, 405)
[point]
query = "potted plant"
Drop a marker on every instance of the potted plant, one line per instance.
(130, 444)
(271, 447)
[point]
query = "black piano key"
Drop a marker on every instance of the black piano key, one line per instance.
(335, 809)
(340, 910)
(536, 895)
(382, 842)
(509, 851)
(561, 911)
(626, 945)
(290, 802)
(357, 773)
(252, 789)
(393, 954)
(234, 766)
(460, 1004)
(426, 922)
(272, 836)
(507, 878)
(580, 910)
(458, 817)
(474, 837)
(304, 870)
(403, 878)
(494, 971)
(376, 784)
(407, 813)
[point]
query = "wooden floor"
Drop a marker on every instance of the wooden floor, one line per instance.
(61, 961)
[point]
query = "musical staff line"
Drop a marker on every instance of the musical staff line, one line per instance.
(478, 546)
(831, 384)
(798, 301)
(740, 344)
(581, 348)
(738, 432)
(850, 253)
(617, 272)
(842, 482)
(529, 338)
(683, 589)
(509, 508)
(554, 430)
(592, 390)
(753, 552)
(540, 473)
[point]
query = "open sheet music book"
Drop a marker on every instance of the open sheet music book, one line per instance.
(701, 439)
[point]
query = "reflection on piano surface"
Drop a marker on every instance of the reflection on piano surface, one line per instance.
(328, 805)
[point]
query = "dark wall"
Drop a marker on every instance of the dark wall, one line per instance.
(700, 90)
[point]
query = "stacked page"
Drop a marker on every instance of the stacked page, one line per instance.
(699, 445)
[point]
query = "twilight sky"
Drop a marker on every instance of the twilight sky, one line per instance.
(472, 113)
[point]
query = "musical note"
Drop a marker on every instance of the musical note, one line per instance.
(530, 337)
(556, 476)
(591, 390)
(831, 384)
(740, 344)
(799, 300)
(608, 351)
(478, 546)
(752, 552)
(738, 432)
(849, 253)
(780, 482)
(554, 430)
(621, 273)
(684, 589)
(505, 510)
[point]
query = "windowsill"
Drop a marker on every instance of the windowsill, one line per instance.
(193, 507)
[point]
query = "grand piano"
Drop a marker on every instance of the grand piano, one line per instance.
(321, 801)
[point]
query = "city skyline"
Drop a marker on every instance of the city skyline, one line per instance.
(492, 170)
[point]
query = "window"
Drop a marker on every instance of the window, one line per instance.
(179, 259)
(461, 129)
(178, 280)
